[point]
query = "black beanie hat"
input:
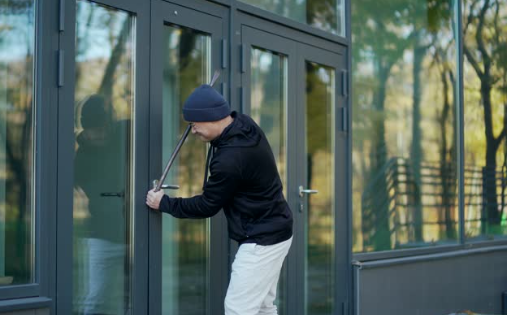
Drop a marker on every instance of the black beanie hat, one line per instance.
(205, 104)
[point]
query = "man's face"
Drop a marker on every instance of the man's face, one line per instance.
(206, 131)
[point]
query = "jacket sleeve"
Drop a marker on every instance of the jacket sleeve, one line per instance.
(218, 191)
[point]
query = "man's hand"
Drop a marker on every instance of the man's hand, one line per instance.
(153, 198)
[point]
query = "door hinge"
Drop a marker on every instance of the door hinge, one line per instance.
(60, 70)
(345, 83)
(243, 58)
(61, 17)
(224, 53)
(345, 119)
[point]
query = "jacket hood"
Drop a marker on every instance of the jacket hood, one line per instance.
(242, 132)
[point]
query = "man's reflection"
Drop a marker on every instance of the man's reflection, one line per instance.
(99, 173)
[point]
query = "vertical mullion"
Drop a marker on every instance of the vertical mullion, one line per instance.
(140, 125)
(65, 157)
(155, 159)
(348, 150)
(460, 112)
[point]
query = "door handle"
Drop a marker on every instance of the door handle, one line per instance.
(120, 194)
(155, 182)
(306, 191)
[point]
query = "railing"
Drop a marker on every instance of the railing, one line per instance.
(411, 205)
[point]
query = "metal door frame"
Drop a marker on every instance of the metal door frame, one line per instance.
(65, 179)
(300, 47)
(207, 18)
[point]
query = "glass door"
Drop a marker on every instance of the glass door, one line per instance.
(104, 97)
(321, 151)
(295, 93)
(270, 62)
(186, 46)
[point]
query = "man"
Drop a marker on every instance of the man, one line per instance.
(243, 180)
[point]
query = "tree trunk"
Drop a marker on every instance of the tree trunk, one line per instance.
(415, 149)
(376, 227)
(490, 204)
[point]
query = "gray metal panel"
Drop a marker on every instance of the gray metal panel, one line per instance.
(473, 281)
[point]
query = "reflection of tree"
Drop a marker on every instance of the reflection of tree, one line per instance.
(376, 37)
(484, 46)
(389, 40)
(430, 29)
(448, 155)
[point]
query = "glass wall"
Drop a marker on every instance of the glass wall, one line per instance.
(485, 110)
(104, 106)
(185, 243)
(17, 116)
(268, 104)
(405, 177)
(327, 15)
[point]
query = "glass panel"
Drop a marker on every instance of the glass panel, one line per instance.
(185, 243)
(405, 181)
(485, 99)
(327, 15)
(104, 96)
(17, 35)
(268, 108)
(319, 229)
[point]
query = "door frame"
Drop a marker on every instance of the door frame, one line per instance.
(65, 179)
(201, 17)
(299, 47)
(337, 61)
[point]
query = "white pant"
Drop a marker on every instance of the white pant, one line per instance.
(103, 276)
(254, 279)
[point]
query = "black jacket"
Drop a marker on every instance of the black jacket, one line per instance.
(243, 181)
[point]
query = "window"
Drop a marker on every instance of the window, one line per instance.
(327, 15)
(405, 176)
(17, 116)
(485, 100)
(103, 176)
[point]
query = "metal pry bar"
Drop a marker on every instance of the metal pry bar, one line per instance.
(158, 184)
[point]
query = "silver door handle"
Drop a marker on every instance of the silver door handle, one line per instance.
(306, 191)
(155, 183)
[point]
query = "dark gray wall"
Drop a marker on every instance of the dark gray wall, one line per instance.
(433, 284)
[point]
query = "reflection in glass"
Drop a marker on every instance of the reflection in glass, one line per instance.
(17, 31)
(268, 109)
(319, 231)
(185, 243)
(404, 124)
(327, 15)
(485, 99)
(102, 165)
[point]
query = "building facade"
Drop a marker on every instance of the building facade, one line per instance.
(387, 120)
